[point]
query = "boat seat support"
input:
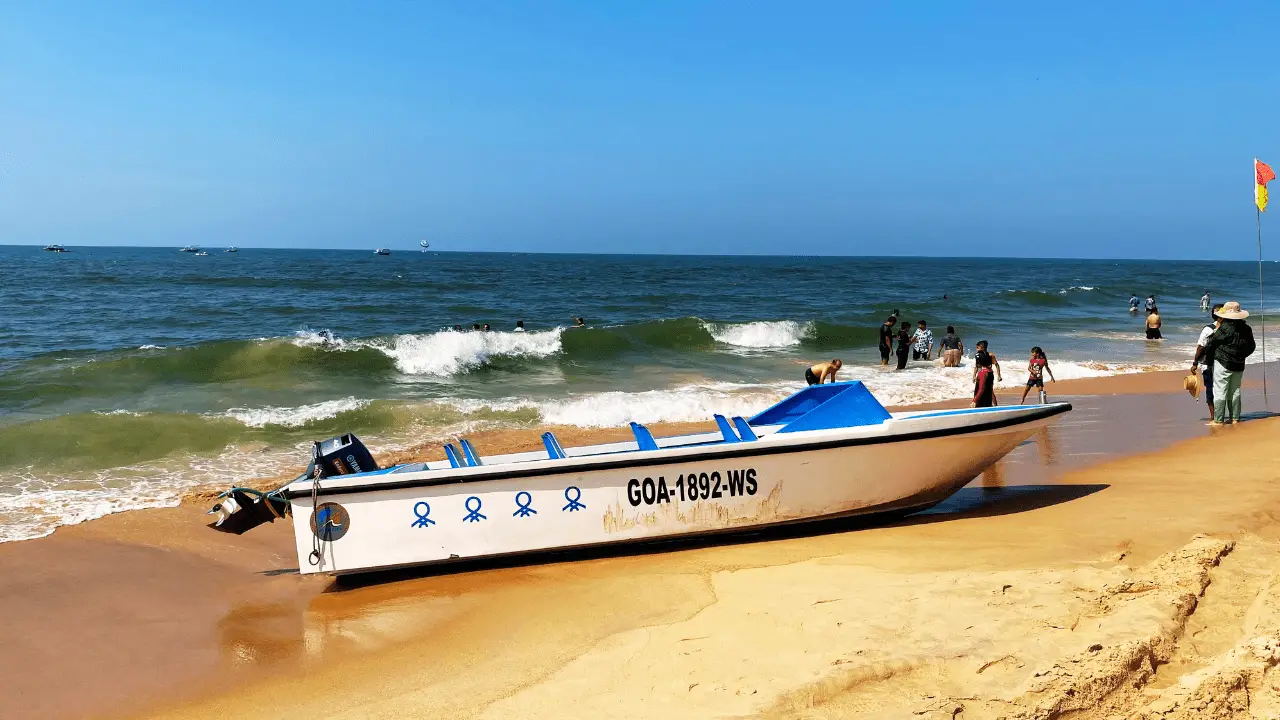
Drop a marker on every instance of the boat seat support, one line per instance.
(554, 451)
(644, 438)
(744, 428)
(727, 430)
(452, 454)
(473, 459)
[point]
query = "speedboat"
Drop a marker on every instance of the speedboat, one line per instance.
(201, 253)
(382, 251)
(827, 451)
(231, 249)
(190, 249)
(55, 249)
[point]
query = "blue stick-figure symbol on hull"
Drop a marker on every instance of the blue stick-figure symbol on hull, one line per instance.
(422, 510)
(573, 495)
(523, 501)
(474, 514)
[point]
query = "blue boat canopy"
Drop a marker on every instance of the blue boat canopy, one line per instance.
(823, 407)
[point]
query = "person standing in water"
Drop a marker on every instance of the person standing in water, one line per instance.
(1153, 324)
(1151, 303)
(1204, 302)
(984, 378)
(922, 347)
(1133, 303)
(886, 338)
(1231, 344)
(822, 372)
(952, 348)
(995, 361)
(904, 344)
(1203, 361)
(1038, 366)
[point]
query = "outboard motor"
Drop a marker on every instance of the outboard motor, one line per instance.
(241, 509)
(342, 455)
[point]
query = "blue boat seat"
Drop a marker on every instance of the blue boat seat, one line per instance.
(727, 430)
(473, 459)
(452, 454)
(744, 428)
(554, 451)
(644, 438)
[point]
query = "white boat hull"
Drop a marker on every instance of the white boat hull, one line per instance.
(905, 464)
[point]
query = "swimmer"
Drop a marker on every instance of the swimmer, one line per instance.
(486, 327)
(457, 328)
(519, 326)
(817, 374)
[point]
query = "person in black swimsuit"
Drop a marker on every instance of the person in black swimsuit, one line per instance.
(886, 338)
(904, 344)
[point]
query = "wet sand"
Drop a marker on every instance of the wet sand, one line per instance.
(1069, 578)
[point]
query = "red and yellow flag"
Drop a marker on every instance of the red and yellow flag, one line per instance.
(1262, 174)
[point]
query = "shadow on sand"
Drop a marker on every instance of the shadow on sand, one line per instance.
(968, 502)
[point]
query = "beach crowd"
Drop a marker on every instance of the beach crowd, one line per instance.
(1224, 344)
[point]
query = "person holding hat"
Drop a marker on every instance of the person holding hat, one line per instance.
(1203, 361)
(1229, 345)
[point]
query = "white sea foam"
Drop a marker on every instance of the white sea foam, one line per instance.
(448, 352)
(307, 337)
(761, 334)
(1077, 288)
(150, 347)
(295, 416)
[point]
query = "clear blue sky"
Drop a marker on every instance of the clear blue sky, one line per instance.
(1117, 129)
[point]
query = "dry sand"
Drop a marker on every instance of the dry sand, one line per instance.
(1077, 578)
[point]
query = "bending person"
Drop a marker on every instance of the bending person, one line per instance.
(822, 372)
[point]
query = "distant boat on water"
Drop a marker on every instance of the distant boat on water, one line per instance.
(201, 253)
(232, 249)
(190, 249)
(382, 251)
(55, 248)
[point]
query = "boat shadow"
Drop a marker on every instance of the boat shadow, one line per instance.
(968, 502)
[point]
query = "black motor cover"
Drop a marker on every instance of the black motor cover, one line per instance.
(343, 455)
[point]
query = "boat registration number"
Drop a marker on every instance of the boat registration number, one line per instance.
(692, 486)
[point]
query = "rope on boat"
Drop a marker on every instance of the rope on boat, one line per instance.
(317, 547)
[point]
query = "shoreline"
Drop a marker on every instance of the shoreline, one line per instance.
(158, 617)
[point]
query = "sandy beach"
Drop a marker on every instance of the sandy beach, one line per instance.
(1120, 565)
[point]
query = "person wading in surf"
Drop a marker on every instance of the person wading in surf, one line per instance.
(1203, 360)
(1036, 369)
(984, 378)
(952, 348)
(1153, 324)
(886, 338)
(904, 344)
(822, 372)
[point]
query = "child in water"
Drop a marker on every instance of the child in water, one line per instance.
(1038, 366)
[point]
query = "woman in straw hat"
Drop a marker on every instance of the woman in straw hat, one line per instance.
(1229, 345)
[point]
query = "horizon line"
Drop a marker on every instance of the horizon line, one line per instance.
(419, 251)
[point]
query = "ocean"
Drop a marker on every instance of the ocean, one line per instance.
(128, 375)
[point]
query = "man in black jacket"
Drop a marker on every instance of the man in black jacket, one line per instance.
(1229, 345)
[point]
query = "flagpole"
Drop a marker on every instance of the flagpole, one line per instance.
(1262, 309)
